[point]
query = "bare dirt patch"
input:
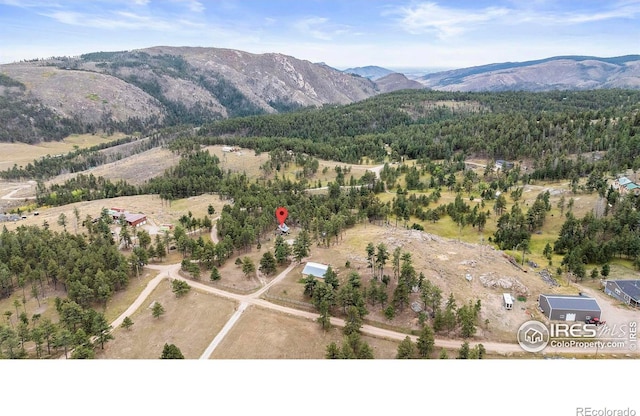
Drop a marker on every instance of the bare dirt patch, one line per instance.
(241, 160)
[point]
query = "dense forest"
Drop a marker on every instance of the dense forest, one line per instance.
(560, 131)
(89, 268)
(552, 128)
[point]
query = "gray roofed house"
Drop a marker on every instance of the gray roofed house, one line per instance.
(569, 308)
(627, 291)
(315, 269)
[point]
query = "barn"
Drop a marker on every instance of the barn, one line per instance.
(135, 220)
(315, 269)
(568, 308)
(627, 291)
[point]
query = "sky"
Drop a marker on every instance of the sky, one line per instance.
(341, 33)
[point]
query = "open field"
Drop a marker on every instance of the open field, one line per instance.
(190, 322)
(264, 334)
(136, 169)
(21, 153)
(158, 211)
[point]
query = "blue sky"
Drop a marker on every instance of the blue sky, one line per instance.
(341, 33)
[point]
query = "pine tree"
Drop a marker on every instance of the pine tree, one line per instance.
(425, 342)
(170, 351)
(215, 274)
(127, 323)
(157, 310)
(406, 349)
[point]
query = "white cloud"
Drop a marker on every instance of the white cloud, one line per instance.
(193, 6)
(319, 28)
(444, 21)
(131, 18)
(310, 26)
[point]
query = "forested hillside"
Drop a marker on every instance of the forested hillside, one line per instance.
(24, 119)
(144, 90)
(552, 128)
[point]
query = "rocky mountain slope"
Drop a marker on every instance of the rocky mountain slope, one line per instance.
(372, 72)
(557, 73)
(395, 82)
(136, 91)
(158, 86)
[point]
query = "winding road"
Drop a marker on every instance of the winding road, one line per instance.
(254, 299)
(10, 195)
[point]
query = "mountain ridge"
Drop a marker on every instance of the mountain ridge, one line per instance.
(372, 72)
(145, 89)
(559, 72)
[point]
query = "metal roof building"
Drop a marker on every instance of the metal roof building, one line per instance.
(315, 269)
(627, 291)
(569, 308)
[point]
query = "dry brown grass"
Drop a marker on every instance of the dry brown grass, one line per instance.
(443, 261)
(158, 211)
(21, 153)
(190, 322)
(136, 169)
(265, 334)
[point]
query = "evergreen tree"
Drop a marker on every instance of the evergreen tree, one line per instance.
(282, 250)
(157, 310)
(170, 351)
(463, 352)
(268, 263)
(215, 274)
(425, 342)
(180, 287)
(301, 246)
(127, 323)
(332, 351)
(406, 349)
(248, 268)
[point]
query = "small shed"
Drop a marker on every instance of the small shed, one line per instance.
(569, 307)
(507, 301)
(627, 291)
(315, 269)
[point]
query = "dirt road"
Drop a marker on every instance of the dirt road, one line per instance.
(10, 196)
(253, 299)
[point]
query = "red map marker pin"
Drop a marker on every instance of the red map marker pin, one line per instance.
(281, 215)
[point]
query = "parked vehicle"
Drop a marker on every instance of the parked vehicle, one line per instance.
(595, 321)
